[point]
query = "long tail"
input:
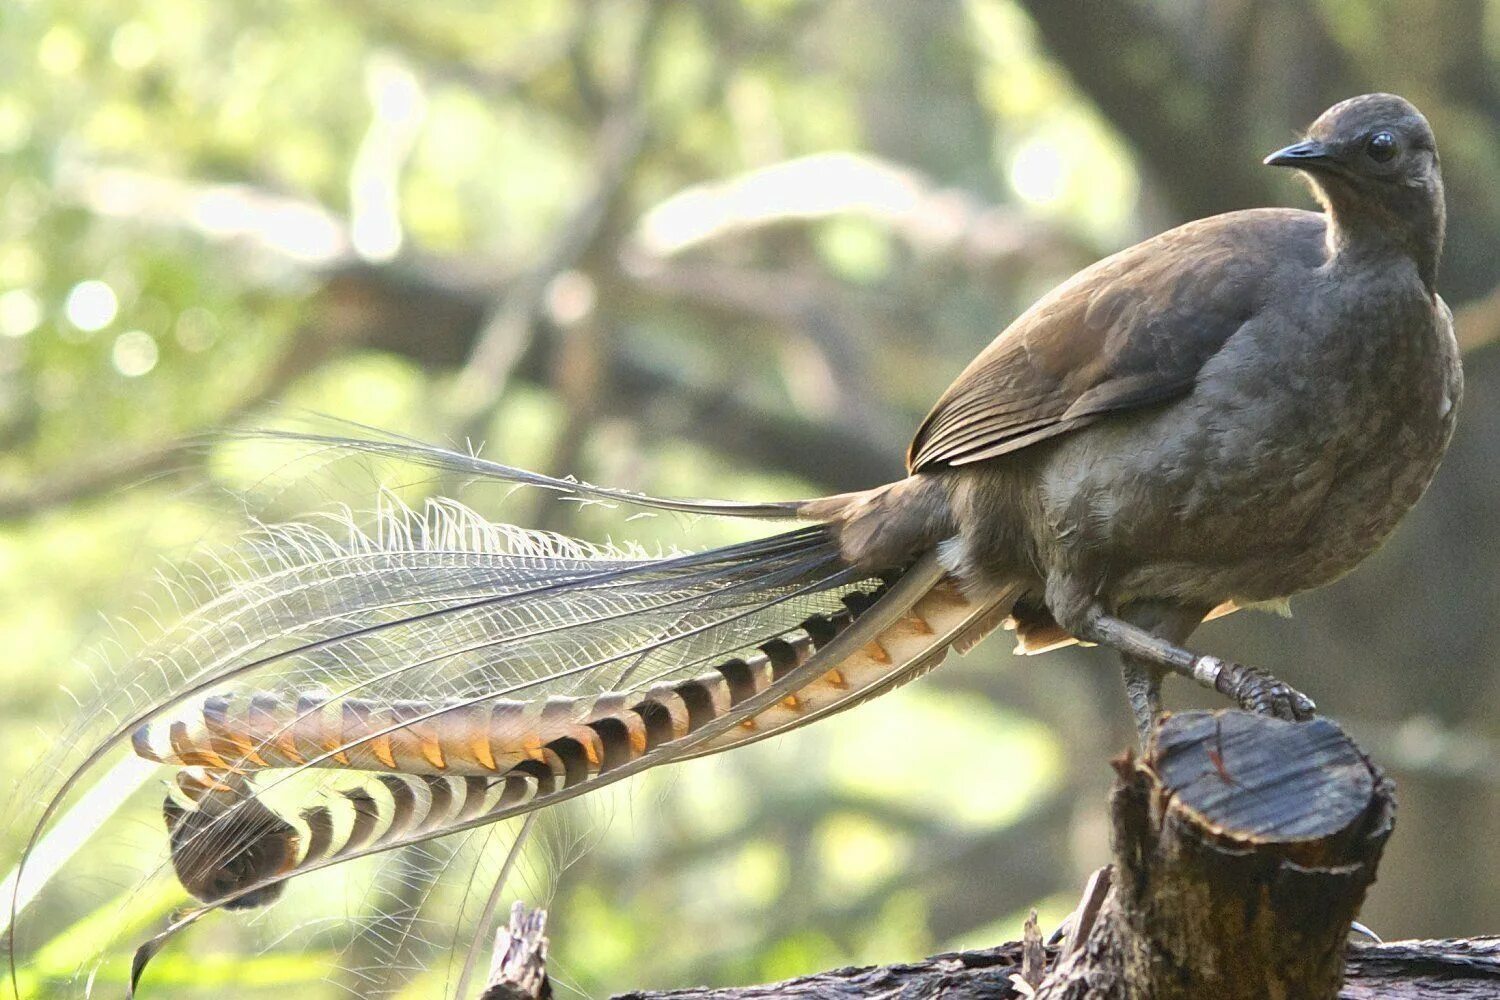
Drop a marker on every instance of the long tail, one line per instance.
(343, 693)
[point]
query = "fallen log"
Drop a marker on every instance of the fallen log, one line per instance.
(1456, 969)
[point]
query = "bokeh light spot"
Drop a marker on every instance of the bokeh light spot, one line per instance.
(91, 305)
(1038, 172)
(196, 329)
(61, 51)
(20, 312)
(570, 297)
(133, 45)
(134, 353)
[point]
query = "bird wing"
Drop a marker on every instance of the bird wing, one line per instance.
(1131, 331)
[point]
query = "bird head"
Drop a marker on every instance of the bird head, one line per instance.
(1373, 163)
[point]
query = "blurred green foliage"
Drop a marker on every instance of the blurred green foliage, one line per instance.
(208, 209)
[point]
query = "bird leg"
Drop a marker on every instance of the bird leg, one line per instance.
(1171, 623)
(1251, 689)
(1143, 690)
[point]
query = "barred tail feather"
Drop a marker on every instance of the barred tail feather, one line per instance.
(580, 735)
(904, 631)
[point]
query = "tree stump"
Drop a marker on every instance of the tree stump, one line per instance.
(1243, 849)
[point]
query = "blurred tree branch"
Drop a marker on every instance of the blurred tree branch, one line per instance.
(450, 59)
(93, 476)
(416, 313)
(1136, 68)
(1194, 93)
(621, 140)
(822, 310)
(433, 313)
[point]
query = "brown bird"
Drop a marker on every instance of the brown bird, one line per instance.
(1223, 416)
(1228, 414)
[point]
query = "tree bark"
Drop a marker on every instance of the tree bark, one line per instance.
(519, 969)
(1401, 970)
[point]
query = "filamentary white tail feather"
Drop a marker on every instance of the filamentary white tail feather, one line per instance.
(438, 609)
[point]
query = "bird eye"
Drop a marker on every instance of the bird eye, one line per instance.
(1382, 147)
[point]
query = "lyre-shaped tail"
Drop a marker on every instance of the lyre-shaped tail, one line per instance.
(444, 765)
(336, 689)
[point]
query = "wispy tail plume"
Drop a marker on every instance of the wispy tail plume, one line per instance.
(344, 691)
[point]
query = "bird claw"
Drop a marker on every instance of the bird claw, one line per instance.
(1257, 691)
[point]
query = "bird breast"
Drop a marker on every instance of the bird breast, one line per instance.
(1298, 451)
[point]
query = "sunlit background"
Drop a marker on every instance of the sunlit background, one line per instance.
(712, 248)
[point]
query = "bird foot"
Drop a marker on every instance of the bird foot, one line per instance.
(1254, 690)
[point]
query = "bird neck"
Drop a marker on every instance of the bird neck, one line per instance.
(1408, 222)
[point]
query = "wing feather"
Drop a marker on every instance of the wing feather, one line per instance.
(1132, 331)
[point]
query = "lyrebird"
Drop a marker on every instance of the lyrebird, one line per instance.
(1225, 415)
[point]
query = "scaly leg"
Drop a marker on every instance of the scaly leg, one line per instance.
(1143, 690)
(1171, 623)
(1251, 689)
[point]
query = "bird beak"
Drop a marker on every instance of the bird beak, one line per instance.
(1309, 153)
